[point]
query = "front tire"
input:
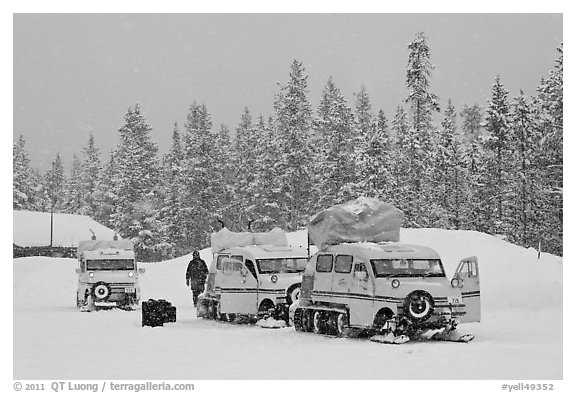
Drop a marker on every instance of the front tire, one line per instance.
(293, 294)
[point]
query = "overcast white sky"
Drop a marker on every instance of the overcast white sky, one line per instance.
(78, 73)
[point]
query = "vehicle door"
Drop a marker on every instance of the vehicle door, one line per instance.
(323, 278)
(467, 279)
(238, 288)
(341, 278)
(361, 296)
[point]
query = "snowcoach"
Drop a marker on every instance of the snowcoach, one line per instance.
(362, 280)
(252, 276)
(108, 275)
(395, 291)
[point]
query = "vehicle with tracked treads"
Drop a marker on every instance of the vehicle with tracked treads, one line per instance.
(108, 275)
(385, 288)
(252, 280)
(362, 280)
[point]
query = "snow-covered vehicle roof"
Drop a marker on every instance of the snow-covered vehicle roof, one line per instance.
(94, 245)
(386, 250)
(224, 239)
(268, 251)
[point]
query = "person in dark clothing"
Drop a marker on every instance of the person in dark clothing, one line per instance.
(196, 275)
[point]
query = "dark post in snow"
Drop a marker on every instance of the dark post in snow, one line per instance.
(539, 249)
(51, 223)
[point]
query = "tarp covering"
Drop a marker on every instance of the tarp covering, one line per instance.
(91, 245)
(225, 238)
(361, 220)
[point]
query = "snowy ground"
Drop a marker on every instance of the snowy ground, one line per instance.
(519, 338)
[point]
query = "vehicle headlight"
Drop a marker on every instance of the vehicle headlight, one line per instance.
(274, 279)
(91, 274)
(395, 283)
(130, 274)
(455, 282)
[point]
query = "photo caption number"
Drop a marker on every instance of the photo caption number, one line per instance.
(34, 386)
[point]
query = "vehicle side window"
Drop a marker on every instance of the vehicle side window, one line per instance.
(469, 269)
(360, 267)
(229, 266)
(250, 266)
(226, 256)
(324, 263)
(219, 261)
(343, 264)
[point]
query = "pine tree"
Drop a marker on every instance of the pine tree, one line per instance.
(170, 214)
(91, 177)
(422, 104)
(450, 171)
(104, 197)
(244, 159)
(473, 162)
(403, 156)
(525, 179)
(335, 140)
(373, 161)
(73, 189)
(200, 195)
(54, 186)
(134, 180)
(549, 108)
(266, 212)
(23, 192)
(225, 175)
(293, 167)
(497, 145)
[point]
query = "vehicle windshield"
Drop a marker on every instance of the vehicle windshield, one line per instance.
(110, 264)
(407, 268)
(281, 265)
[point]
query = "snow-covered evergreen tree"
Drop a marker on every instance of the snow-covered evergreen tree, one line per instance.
(422, 104)
(91, 177)
(473, 162)
(498, 148)
(525, 177)
(293, 166)
(450, 172)
(73, 189)
(23, 189)
(169, 214)
(104, 197)
(134, 179)
(266, 213)
(335, 141)
(224, 172)
(550, 116)
(244, 159)
(403, 156)
(54, 186)
(200, 194)
(373, 158)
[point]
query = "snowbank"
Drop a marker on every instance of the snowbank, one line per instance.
(33, 229)
(519, 338)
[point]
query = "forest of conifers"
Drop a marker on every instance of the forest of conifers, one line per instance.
(495, 168)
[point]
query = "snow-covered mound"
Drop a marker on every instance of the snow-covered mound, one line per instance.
(33, 229)
(520, 336)
(510, 276)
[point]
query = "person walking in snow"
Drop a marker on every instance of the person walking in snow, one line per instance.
(196, 275)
